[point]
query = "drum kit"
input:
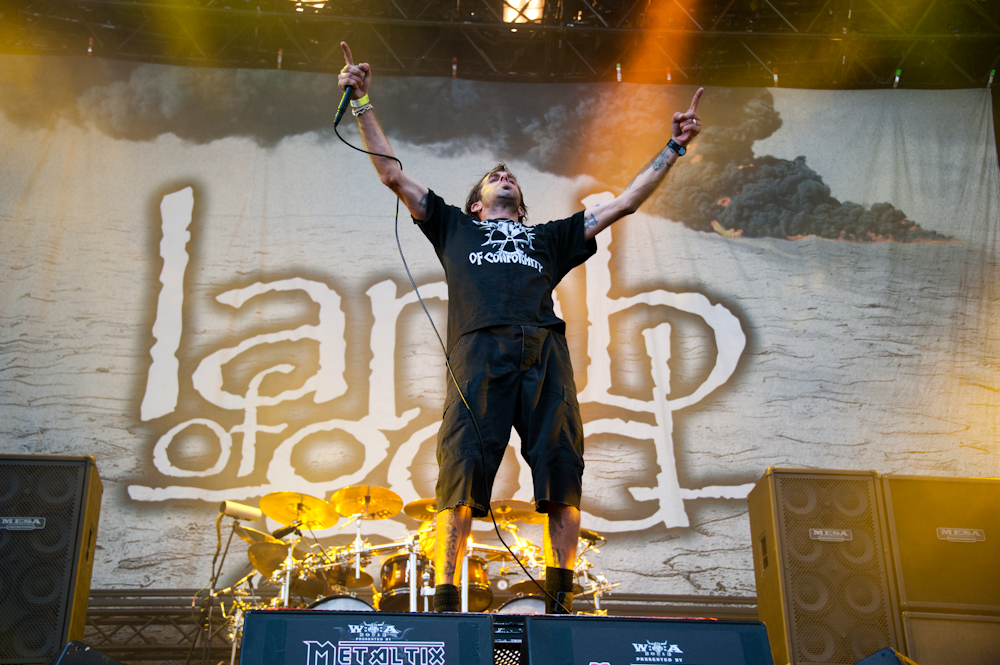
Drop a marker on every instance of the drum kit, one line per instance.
(309, 575)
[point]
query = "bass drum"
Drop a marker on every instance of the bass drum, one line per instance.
(342, 603)
(523, 605)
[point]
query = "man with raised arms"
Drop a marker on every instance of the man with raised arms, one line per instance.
(505, 343)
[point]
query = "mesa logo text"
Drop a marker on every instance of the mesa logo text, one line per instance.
(22, 523)
(657, 652)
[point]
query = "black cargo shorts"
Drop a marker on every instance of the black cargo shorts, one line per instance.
(511, 376)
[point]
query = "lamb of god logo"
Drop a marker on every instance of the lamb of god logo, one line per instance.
(508, 240)
(256, 412)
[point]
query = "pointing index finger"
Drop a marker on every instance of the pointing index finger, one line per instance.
(694, 100)
(347, 53)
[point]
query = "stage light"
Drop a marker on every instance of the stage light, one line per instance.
(522, 11)
(619, 68)
(90, 46)
(454, 67)
(989, 84)
(668, 74)
(895, 83)
(280, 52)
(775, 72)
(301, 5)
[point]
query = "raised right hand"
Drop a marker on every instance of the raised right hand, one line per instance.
(359, 76)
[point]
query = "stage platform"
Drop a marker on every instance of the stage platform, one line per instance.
(160, 626)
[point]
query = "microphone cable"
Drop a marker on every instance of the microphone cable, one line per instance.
(451, 373)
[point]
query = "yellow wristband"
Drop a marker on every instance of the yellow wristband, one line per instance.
(358, 103)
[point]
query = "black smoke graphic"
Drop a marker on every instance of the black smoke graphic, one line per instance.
(608, 131)
(725, 188)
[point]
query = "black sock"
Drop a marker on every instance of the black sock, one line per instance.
(559, 585)
(447, 598)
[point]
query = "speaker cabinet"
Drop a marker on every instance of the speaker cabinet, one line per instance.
(820, 561)
(590, 640)
(945, 535)
(49, 507)
(294, 637)
(946, 639)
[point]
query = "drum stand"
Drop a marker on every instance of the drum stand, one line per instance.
(427, 591)
(411, 572)
(289, 564)
(465, 576)
(358, 545)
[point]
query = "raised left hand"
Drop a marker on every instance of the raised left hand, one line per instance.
(687, 125)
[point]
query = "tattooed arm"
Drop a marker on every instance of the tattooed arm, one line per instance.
(599, 217)
(410, 192)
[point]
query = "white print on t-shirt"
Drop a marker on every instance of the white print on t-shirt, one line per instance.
(508, 240)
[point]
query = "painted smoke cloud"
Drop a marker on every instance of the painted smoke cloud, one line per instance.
(567, 129)
(725, 188)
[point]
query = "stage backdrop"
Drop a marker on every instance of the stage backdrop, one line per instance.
(200, 287)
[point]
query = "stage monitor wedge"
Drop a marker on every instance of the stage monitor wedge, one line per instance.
(49, 509)
(945, 536)
(593, 640)
(820, 555)
(297, 637)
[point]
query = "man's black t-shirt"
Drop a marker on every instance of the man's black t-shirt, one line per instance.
(501, 272)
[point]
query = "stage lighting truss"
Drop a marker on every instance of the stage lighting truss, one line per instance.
(523, 11)
(809, 43)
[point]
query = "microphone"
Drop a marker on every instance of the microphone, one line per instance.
(344, 101)
(285, 530)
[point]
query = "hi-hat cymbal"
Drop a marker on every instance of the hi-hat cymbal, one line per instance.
(345, 576)
(421, 509)
(291, 507)
(267, 557)
(369, 501)
(253, 535)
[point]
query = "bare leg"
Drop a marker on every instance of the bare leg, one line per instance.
(453, 528)
(561, 535)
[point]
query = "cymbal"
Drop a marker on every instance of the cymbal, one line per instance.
(267, 557)
(421, 509)
(253, 535)
(344, 576)
(510, 510)
(310, 587)
(529, 587)
(534, 517)
(371, 502)
(291, 507)
(495, 555)
(591, 536)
